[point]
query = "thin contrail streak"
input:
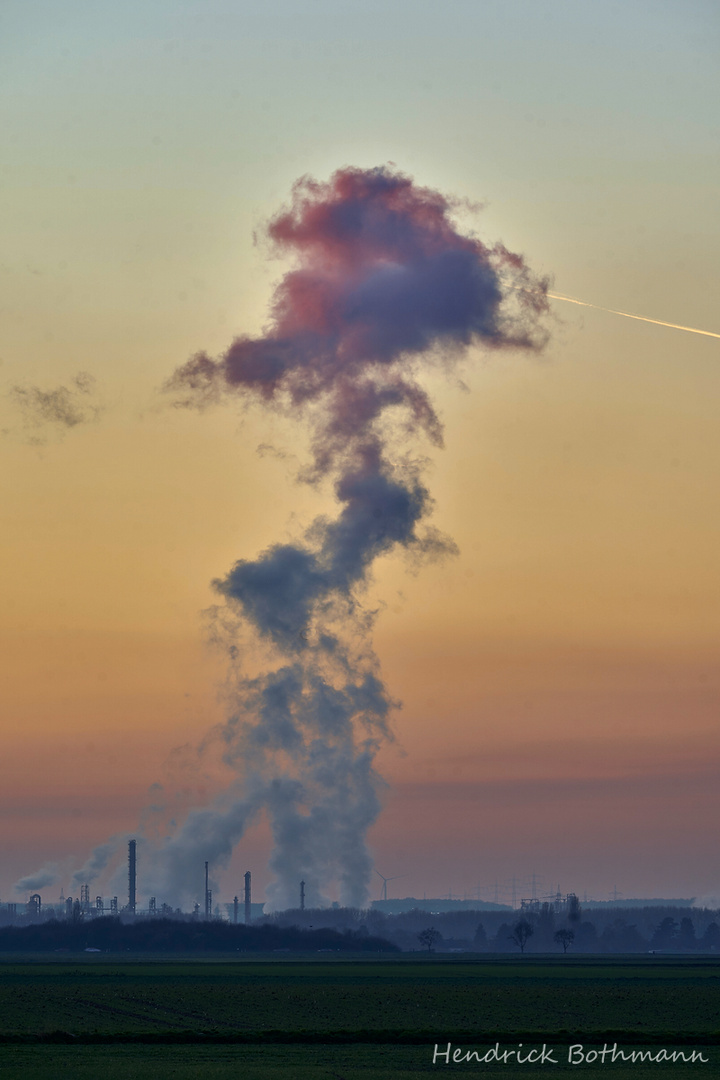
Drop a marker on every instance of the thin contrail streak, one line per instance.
(642, 318)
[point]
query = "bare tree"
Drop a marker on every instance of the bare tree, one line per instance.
(522, 931)
(427, 938)
(564, 938)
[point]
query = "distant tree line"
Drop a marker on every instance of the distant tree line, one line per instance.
(617, 936)
(111, 934)
(599, 930)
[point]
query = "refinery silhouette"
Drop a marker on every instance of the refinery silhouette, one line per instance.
(246, 911)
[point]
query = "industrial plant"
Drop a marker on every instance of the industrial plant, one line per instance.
(82, 907)
(459, 924)
(451, 924)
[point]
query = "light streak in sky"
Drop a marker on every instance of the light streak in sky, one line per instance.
(628, 315)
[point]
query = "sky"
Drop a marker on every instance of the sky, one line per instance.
(559, 675)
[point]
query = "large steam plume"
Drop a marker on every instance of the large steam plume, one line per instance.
(382, 282)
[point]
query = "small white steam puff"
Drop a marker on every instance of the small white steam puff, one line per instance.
(577, 1054)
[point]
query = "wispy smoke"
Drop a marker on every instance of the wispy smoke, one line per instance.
(382, 281)
(40, 879)
(62, 407)
(98, 860)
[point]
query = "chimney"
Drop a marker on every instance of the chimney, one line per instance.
(208, 900)
(247, 898)
(132, 875)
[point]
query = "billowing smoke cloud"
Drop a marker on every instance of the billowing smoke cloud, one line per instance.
(60, 408)
(382, 275)
(382, 280)
(383, 285)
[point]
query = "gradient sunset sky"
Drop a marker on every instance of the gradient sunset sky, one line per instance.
(559, 677)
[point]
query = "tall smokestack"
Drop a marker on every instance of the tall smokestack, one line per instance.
(247, 898)
(207, 894)
(132, 875)
(302, 895)
(235, 909)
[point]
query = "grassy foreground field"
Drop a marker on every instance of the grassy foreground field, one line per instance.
(353, 1020)
(347, 1062)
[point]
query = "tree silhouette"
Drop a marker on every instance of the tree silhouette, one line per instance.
(686, 940)
(665, 934)
(480, 939)
(564, 938)
(573, 908)
(621, 937)
(521, 932)
(711, 938)
(427, 938)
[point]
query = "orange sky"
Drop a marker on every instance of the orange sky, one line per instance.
(559, 678)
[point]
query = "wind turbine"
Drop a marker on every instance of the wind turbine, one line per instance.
(385, 882)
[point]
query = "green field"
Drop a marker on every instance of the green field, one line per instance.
(347, 1019)
(347, 1062)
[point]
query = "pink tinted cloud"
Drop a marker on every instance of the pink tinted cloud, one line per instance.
(381, 276)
